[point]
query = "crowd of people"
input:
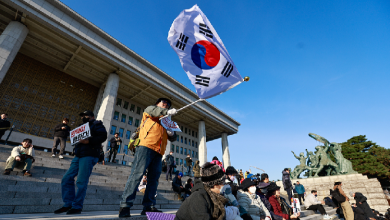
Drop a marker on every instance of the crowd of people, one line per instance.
(215, 193)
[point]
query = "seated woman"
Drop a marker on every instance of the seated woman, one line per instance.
(251, 202)
(188, 187)
(262, 191)
(273, 196)
(206, 202)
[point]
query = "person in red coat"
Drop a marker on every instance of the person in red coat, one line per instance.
(274, 199)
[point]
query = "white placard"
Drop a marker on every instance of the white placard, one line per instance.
(168, 124)
(80, 133)
(296, 205)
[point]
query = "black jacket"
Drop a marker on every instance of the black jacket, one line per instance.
(198, 206)
(188, 161)
(176, 182)
(358, 213)
(58, 132)
(364, 206)
(4, 124)
(98, 136)
(170, 160)
(114, 144)
(286, 181)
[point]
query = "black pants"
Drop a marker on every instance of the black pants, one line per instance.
(112, 151)
(301, 198)
(62, 142)
(169, 172)
(181, 190)
(318, 207)
(289, 193)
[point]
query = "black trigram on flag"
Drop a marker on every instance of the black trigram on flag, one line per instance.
(201, 80)
(227, 70)
(203, 29)
(181, 43)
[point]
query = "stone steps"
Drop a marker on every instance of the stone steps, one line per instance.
(42, 191)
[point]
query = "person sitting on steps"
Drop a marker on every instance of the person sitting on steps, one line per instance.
(178, 187)
(312, 203)
(23, 154)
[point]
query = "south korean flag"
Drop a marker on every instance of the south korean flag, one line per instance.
(202, 54)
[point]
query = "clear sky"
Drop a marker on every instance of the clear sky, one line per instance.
(315, 66)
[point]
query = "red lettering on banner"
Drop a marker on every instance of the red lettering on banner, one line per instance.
(77, 131)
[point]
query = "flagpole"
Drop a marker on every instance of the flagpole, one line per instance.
(184, 107)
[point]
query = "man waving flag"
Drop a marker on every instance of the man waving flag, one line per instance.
(202, 54)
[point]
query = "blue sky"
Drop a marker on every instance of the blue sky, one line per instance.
(315, 66)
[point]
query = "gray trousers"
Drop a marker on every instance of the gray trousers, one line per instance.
(62, 142)
(13, 162)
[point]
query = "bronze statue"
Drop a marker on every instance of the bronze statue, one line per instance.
(344, 165)
(300, 168)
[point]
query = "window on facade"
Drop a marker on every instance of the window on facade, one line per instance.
(108, 144)
(196, 155)
(185, 130)
(128, 133)
(193, 164)
(181, 150)
(185, 151)
(136, 124)
(189, 152)
(189, 142)
(119, 149)
(124, 162)
(113, 130)
(116, 116)
(196, 144)
(126, 105)
(130, 122)
(193, 133)
(173, 148)
(138, 110)
(119, 102)
(132, 107)
(181, 161)
(185, 163)
(181, 138)
(121, 130)
(193, 143)
(126, 148)
(178, 137)
(177, 149)
(185, 140)
(123, 119)
(177, 161)
(193, 153)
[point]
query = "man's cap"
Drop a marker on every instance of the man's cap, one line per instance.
(212, 174)
(337, 181)
(164, 99)
(247, 183)
(262, 185)
(272, 187)
(231, 171)
(87, 113)
(180, 174)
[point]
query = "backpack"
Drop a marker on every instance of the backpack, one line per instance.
(337, 195)
(134, 138)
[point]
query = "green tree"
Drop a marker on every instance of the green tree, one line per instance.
(367, 157)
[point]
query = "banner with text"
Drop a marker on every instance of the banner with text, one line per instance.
(168, 124)
(80, 133)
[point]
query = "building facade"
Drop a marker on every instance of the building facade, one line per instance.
(55, 64)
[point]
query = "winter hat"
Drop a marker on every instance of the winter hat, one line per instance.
(262, 185)
(212, 174)
(180, 174)
(273, 187)
(247, 183)
(231, 171)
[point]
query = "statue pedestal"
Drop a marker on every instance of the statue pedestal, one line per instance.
(370, 188)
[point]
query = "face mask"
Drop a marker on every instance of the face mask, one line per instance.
(252, 190)
(316, 195)
(265, 191)
(232, 178)
(85, 119)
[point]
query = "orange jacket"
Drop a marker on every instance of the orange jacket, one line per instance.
(152, 134)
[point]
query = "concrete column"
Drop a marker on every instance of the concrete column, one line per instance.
(106, 110)
(99, 99)
(202, 152)
(225, 151)
(11, 40)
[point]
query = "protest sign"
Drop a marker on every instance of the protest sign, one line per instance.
(80, 133)
(168, 124)
(296, 205)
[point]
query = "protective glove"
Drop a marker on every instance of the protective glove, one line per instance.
(267, 218)
(172, 111)
(170, 133)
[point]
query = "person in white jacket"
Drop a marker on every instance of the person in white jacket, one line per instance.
(24, 155)
(251, 202)
(312, 203)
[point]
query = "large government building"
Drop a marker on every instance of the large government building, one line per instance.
(54, 64)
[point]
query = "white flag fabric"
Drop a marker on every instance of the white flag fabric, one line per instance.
(202, 54)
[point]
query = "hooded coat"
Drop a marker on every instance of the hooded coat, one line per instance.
(196, 169)
(361, 202)
(253, 205)
(198, 206)
(286, 180)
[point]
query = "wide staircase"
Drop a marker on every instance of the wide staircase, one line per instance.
(38, 196)
(41, 193)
